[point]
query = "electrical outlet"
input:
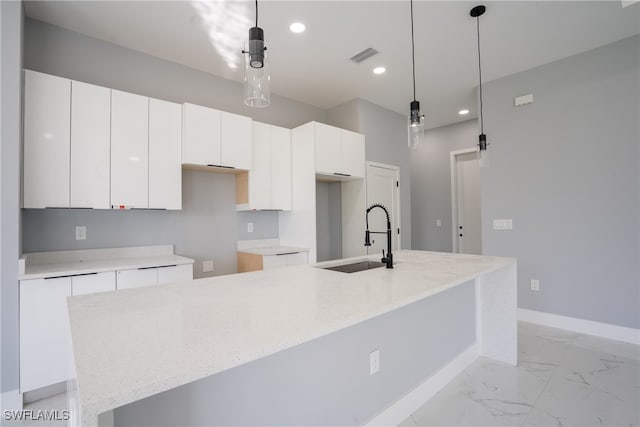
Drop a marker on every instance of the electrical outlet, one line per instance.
(249, 227)
(535, 285)
(207, 266)
(438, 223)
(374, 362)
(81, 232)
(503, 224)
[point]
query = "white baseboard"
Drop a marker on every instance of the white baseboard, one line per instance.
(11, 400)
(409, 403)
(588, 327)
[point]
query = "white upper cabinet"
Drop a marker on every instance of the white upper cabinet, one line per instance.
(47, 111)
(339, 152)
(201, 135)
(328, 149)
(129, 150)
(236, 141)
(280, 168)
(215, 138)
(90, 145)
(267, 186)
(353, 153)
(165, 148)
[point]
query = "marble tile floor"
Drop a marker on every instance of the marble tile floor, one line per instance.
(563, 379)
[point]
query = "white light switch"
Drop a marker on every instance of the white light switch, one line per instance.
(249, 227)
(535, 285)
(523, 100)
(374, 362)
(438, 223)
(503, 224)
(207, 266)
(81, 232)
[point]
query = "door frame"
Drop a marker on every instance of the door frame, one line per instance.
(397, 198)
(453, 170)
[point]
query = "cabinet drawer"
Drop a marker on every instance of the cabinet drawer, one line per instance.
(175, 273)
(274, 261)
(297, 258)
(93, 283)
(127, 279)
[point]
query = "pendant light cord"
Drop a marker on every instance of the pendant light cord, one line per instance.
(480, 74)
(256, 13)
(413, 54)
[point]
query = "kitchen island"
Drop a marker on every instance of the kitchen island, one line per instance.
(237, 349)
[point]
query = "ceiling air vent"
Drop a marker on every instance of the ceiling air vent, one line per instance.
(365, 54)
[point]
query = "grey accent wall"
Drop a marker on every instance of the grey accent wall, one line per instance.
(386, 141)
(566, 170)
(345, 116)
(11, 35)
(328, 220)
(325, 381)
(431, 184)
(207, 228)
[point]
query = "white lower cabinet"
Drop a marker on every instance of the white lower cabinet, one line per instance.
(284, 260)
(45, 337)
(127, 279)
(93, 283)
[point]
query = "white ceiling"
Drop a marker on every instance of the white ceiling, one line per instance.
(313, 67)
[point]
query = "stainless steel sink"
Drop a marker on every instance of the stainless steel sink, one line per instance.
(355, 267)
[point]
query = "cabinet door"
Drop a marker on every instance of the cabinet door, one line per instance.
(353, 153)
(129, 150)
(90, 145)
(45, 336)
(47, 112)
(165, 152)
(297, 258)
(175, 273)
(260, 173)
(274, 261)
(93, 283)
(328, 149)
(127, 279)
(235, 139)
(201, 135)
(280, 168)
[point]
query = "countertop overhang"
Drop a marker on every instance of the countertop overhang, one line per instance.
(135, 343)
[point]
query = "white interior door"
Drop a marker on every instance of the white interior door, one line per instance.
(467, 225)
(383, 188)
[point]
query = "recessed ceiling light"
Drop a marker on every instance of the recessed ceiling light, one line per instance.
(463, 112)
(297, 27)
(379, 70)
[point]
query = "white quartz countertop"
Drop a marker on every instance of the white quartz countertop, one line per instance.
(273, 250)
(135, 343)
(69, 263)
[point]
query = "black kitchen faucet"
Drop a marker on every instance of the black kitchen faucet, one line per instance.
(388, 260)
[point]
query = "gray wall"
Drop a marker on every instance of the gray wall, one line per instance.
(431, 184)
(566, 170)
(298, 386)
(11, 16)
(202, 230)
(328, 220)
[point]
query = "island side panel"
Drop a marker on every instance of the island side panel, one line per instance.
(497, 315)
(325, 381)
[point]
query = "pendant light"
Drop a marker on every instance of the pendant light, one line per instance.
(257, 80)
(416, 120)
(477, 12)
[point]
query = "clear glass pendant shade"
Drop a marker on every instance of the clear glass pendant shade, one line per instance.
(416, 125)
(257, 83)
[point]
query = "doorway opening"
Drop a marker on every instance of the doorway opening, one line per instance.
(465, 202)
